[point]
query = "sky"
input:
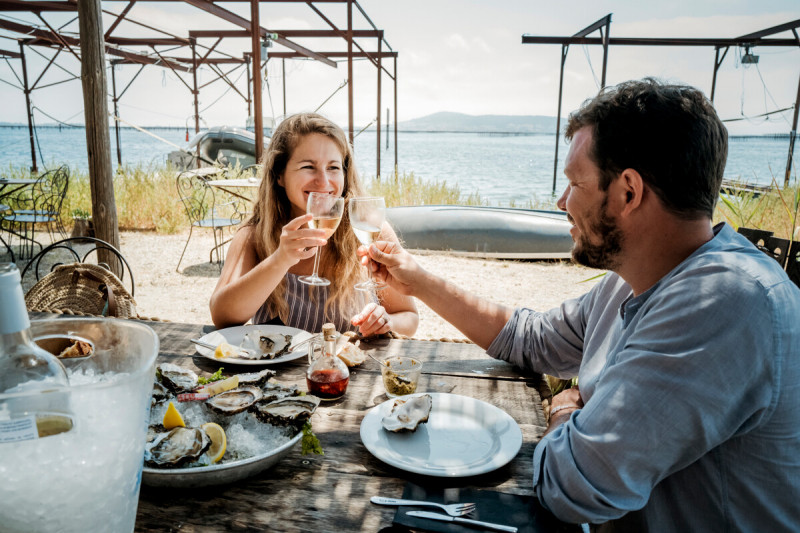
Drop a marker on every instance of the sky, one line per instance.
(462, 56)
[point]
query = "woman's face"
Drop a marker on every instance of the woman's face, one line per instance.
(314, 166)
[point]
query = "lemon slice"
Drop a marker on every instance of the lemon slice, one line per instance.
(218, 441)
(225, 350)
(172, 418)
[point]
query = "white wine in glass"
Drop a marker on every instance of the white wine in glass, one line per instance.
(327, 210)
(367, 215)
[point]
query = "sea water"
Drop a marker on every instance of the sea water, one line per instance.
(88, 478)
(500, 168)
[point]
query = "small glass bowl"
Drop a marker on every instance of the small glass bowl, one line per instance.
(400, 375)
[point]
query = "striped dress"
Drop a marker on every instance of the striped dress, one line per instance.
(304, 313)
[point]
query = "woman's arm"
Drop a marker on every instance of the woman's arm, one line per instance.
(245, 283)
(396, 312)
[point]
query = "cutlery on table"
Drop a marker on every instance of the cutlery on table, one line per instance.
(459, 520)
(453, 509)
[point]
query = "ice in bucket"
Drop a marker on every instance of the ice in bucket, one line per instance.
(88, 478)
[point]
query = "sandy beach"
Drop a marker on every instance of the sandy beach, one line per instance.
(163, 293)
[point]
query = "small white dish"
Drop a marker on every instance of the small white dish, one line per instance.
(235, 335)
(463, 437)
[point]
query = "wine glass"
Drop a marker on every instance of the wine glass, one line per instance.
(327, 210)
(366, 217)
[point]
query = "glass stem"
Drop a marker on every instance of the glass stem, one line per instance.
(316, 263)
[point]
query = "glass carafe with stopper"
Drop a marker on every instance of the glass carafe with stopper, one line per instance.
(25, 368)
(327, 376)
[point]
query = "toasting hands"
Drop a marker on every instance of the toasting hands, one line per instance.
(392, 265)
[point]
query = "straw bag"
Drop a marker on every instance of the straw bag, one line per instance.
(84, 288)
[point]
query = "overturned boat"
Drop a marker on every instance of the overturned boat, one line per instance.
(222, 145)
(479, 231)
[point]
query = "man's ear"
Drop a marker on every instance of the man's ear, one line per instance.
(630, 185)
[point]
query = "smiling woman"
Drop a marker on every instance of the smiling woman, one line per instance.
(276, 247)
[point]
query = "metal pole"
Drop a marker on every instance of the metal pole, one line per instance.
(714, 77)
(283, 75)
(605, 51)
(116, 112)
(387, 128)
(350, 69)
(255, 33)
(792, 136)
(195, 92)
(564, 50)
(395, 118)
(249, 93)
(28, 107)
(378, 117)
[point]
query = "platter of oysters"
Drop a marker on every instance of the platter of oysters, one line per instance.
(255, 344)
(441, 435)
(222, 431)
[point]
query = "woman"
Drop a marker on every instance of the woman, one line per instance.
(307, 153)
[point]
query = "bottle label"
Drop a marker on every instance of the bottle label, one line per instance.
(18, 429)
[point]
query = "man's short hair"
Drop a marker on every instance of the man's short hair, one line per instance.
(670, 134)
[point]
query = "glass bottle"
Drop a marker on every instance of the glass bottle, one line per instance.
(34, 388)
(327, 376)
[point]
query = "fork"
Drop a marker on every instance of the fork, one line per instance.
(453, 509)
(245, 351)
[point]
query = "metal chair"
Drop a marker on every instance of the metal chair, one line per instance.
(204, 211)
(40, 204)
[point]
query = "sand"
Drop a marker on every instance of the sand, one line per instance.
(163, 293)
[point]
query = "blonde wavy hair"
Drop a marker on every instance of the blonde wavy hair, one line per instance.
(338, 260)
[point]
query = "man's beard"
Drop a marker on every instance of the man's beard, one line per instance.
(606, 254)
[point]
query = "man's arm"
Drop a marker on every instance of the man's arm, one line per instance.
(479, 320)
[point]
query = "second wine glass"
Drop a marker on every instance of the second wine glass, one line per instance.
(327, 210)
(367, 215)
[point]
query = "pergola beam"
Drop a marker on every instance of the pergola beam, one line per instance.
(656, 41)
(286, 33)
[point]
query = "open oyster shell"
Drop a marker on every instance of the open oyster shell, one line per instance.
(265, 345)
(234, 401)
(290, 411)
(256, 379)
(176, 378)
(407, 414)
(176, 447)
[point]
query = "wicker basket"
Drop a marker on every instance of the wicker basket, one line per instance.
(82, 287)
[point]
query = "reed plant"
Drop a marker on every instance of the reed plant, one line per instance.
(776, 210)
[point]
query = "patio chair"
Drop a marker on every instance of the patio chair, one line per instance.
(71, 276)
(3, 210)
(204, 211)
(39, 204)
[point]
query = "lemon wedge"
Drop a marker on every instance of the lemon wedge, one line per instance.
(172, 418)
(218, 441)
(224, 350)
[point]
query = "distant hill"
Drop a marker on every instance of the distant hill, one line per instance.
(448, 121)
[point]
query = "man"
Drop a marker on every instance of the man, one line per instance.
(688, 350)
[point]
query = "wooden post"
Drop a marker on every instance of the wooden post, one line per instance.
(95, 106)
(116, 113)
(28, 111)
(350, 70)
(258, 115)
(564, 51)
(378, 115)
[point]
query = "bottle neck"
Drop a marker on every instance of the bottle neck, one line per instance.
(13, 313)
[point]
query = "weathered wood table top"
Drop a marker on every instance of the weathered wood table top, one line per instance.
(331, 492)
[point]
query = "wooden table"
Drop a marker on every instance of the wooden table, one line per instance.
(331, 492)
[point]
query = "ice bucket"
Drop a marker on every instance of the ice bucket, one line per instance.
(86, 479)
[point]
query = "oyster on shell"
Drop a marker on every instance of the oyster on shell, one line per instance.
(407, 414)
(178, 446)
(160, 393)
(275, 391)
(289, 411)
(234, 401)
(176, 378)
(256, 379)
(265, 345)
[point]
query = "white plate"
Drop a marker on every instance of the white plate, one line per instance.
(235, 335)
(463, 437)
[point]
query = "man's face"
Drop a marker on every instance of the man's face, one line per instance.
(598, 240)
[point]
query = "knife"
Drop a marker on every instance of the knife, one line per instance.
(476, 523)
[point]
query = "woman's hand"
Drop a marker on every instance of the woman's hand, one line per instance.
(299, 243)
(373, 320)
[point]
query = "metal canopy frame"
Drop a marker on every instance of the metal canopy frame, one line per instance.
(207, 55)
(748, 41)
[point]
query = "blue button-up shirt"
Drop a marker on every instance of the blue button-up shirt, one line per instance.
(691, 419)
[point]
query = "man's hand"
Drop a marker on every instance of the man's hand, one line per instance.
(562, 406)
(391, 264)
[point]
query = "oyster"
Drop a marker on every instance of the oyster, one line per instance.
(275, 391)
(255, 379)
(407, 414)
(160, 393)
(234, 401)
(265, 345)
(177, 379)
(176, 447)
(290, 411)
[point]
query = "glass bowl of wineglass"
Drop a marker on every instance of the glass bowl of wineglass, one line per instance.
(367, 214)
(327, 210)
